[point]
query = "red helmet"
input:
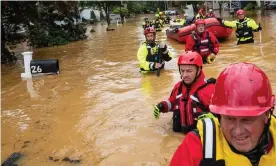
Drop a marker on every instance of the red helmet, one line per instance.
(190, 58)
(242, 89)
(240, 12)
(199, 21)
(149, 30)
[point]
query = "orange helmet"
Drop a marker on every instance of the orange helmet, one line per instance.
(190, 58)
(149, 30)
(240, 12)
(242, 89)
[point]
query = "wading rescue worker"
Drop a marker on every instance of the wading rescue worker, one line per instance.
(244, 27)
(200, 14)
(146, 24)
(149, 52)
(167, 18)
(244, 134)
(190, 97)
(211, 14)
(204, 42)
(157, 23)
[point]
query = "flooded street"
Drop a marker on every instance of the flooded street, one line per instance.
(100, 108)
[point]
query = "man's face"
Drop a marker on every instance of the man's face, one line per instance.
(150, 37)
(188, 73)
(241, 16)
(200, 28)
(243, 133)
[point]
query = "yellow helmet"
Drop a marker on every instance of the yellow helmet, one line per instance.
(160, 13)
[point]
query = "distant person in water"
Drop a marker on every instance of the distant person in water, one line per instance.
(203, 42)
(149, 51)
(245, 27)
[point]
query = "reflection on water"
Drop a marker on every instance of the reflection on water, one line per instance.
(99, 109)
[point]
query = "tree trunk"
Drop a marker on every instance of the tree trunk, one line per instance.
(107, 14)
(220, 6)
(6, 55)
(195, 8)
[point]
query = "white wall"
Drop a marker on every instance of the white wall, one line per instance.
(86, 13)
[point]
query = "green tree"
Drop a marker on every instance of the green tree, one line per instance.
(13, 18)
(38, 20)
(102, 5)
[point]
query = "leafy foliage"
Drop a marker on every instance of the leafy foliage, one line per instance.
(37, 22)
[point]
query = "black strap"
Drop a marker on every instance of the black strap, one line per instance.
(198, 44)
(150, 57)
(209, 139)
(210, 44)
(200, 104)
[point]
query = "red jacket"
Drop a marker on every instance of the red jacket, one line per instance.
(180, 99)
(190, 152)
(210, 15)
(204, 45)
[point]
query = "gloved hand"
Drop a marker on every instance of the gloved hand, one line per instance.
(219, 19)
(163, 48)
(211, 58)
(157, 65)
(156, 111)
(210, 162)
(212, 80)
(161, 107)
(259, 28)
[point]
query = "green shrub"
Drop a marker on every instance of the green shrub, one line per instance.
(249, 6)
(45, 36)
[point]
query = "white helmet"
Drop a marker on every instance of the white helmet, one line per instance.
(185, 15)
(210, 10)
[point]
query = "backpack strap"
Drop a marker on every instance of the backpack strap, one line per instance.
(197, 102)
(197, 44)
(210, 45)
(209, 139)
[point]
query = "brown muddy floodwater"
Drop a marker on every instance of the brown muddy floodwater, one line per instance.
(99, 109)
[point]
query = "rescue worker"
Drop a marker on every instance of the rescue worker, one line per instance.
(150, 51)
(161, 16)
(146, 24)
(211, 14)
(190, 97)
(244, 132)
(244, 27)
(204, 42)
(167, 18)
(183, 21)
(187, 20)
(178, 19)
(157, 23)
(200, 14)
